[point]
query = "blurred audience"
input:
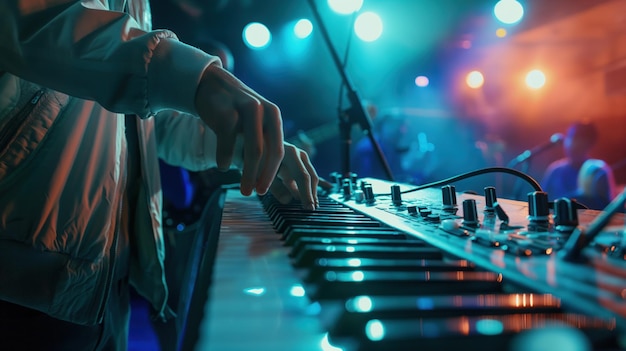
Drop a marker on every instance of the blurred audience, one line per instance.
(577, 175)
(400, 144)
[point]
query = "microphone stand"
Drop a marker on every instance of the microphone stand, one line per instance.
(356, 113)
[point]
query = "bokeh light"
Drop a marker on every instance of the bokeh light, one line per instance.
(422, 81)
(303, 28)
(535, 79)
(475, 79)
(368, 26)
(256, 35)
(345, 7)
(508, 11)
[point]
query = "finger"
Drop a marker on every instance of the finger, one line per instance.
(325, 184)
(281, 192)
(273, 151)
(225, 150)
(251, 119)
(299, 173)
(313, 175)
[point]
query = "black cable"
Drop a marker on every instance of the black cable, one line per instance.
(530, 180)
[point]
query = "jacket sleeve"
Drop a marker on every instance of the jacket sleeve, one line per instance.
(84, 49)
(184, 140)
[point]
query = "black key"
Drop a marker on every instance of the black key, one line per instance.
(307, 256)
(296, 232)
(302, 243)
(485, 333)
(325, 220)
(323, 265)
(351, 317)
(343, 285)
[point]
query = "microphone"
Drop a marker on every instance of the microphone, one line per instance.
(555, 139)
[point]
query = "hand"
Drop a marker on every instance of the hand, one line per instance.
(296, 179)
(231, 108)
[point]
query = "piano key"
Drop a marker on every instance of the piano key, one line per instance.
(307, 256)
(291, 235)
(286, 221)
(344, 319)
(302, 243)
(323, 265)
(343, 285)
(485, 332)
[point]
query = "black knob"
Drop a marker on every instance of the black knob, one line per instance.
(470, 214)
(448, 194)
(433, 218)
(369, 194)
(424, 212)
(353, 178)
(346, 188)
(490, 198)
(396, 195)
(538, 206)
(412, 209)
(501, 213)
(565, 214)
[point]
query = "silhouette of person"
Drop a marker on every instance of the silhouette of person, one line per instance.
(567, 177)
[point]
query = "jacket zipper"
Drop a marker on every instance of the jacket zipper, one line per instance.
(16, 121)
(113, 250)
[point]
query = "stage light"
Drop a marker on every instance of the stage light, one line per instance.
(535, 79)
(368, 26)
(474, 79)
(500, 32)
(256, 35)
(345, 7)
(303, 28)
(422, 81)
(508, 11)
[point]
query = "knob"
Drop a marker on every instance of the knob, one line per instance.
(346, 188)
(565, 214)
(433, 218)
(424, 212)
(501, 213)
(396, 195)
(538, 207)
(412, 210)
(490, 198)
(353, 178)
(335, 178)
(369, 194)
(470, 214)
(359, 196)
(448, 193)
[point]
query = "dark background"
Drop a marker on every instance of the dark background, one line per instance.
(580, 45)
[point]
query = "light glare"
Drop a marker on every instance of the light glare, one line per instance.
(368, 26)
(303, 28)
(422, 81)
(535, 79)
(508, 11)
(345, 7)
(475, 79)
(256, 35)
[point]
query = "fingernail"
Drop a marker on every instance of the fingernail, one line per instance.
(309, 206)
(245, 191)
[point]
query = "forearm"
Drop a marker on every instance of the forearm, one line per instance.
(85, 50)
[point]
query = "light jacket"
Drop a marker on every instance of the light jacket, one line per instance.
(69, 71)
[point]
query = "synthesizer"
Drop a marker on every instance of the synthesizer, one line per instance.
(382, 267)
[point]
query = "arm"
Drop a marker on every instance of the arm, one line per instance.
(85, 50)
